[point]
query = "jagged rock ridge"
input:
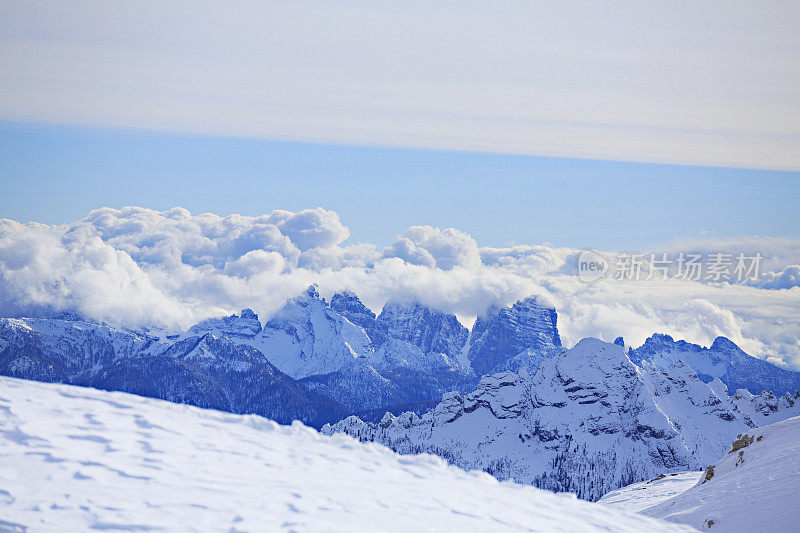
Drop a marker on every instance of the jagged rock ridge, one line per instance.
(514, 337)
(723, 360)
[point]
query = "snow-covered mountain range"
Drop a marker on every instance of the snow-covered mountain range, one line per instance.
(504, 396)
(323, 360)
(586, 421)
(723, 360)
(77, 459)
(198, 368)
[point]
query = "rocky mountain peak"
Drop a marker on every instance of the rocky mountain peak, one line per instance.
(724, 344)
(347, 304)
(307, 337)
(248, 314)
(246, 324)
(656, 342)
(512, 337)
(430, 330)
(312, 291)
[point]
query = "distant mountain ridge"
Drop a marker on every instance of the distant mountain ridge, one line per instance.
(319, 361)
(314, 361)
(723, 360)
(199, 369)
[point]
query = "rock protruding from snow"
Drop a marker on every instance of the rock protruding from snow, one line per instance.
(754, 486)
(723, 360)
(586, 421)
(77, 459)
(514, 337)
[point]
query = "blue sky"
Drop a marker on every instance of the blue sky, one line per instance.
(630, 122)
(628, 126)
(57, 174)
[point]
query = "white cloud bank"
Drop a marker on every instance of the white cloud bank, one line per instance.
(140, 267)
(713, 83)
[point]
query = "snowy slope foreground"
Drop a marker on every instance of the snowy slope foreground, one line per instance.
(754, 487)
(639, 496)
(75, 459)
(586, 421)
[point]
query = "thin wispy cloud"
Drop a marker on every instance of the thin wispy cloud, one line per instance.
(687, 82)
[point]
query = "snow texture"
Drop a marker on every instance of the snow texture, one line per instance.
(639, 496)
(78, 459)
(754, 486)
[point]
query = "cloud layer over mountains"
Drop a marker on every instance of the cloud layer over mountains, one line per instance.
(139, 267)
